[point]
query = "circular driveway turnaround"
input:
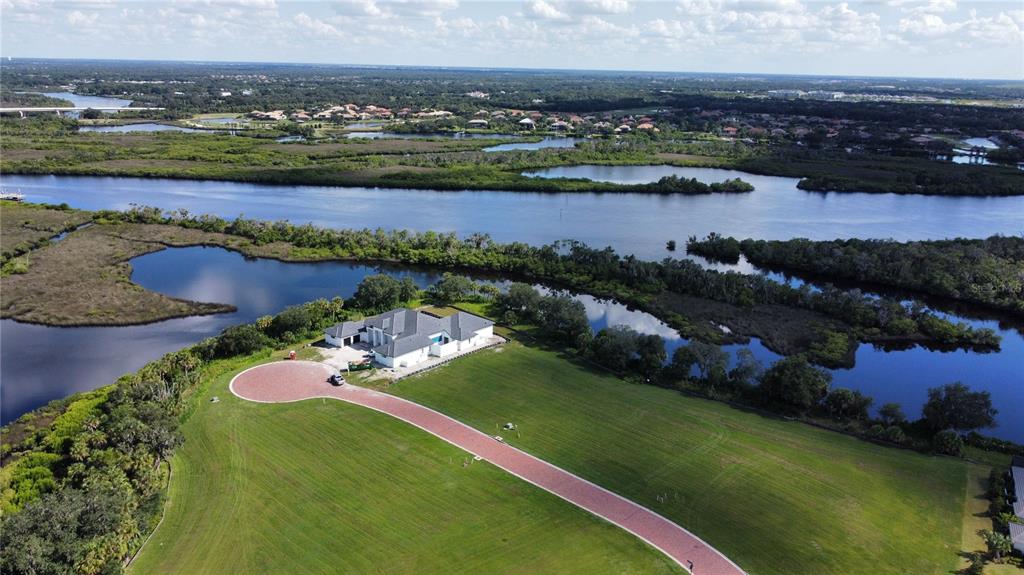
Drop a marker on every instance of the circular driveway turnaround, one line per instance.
(287, 381)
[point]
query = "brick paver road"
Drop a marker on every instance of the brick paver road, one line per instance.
(297, 380)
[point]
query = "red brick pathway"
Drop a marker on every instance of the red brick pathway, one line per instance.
(297, 380)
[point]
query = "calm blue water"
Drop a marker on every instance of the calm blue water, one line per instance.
(261, 287)
(415, 136)
(147, 127)
(80, 101)
(638, 224)
(91, 357)
(548, 142)
(982, 142)
(631, 223)
(96, 356)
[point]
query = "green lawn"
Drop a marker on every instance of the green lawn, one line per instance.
(775, 496)
(324, 487)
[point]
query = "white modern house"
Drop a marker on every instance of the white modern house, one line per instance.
(404, 337)
(1017, 529)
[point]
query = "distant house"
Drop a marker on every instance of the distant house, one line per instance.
(527, 124)
(1017, 529)
(275, 115)
(433, 114)
(404, 337)
(477, 123)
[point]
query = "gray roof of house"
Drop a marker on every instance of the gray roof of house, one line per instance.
(411, 330)
(345, 329)
(1017, 536)
(463, 325)
(1018, 489)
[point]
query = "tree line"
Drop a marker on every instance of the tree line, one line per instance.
(84, 491)
(987, 272)
(601, 272)
(792, 386)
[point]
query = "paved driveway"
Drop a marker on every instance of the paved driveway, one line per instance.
(297, 380)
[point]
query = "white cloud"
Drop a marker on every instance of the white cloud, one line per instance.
(712, 7)
(360, 8)
(545, 11)
(217, 5)
(79, 19)
(1001, 28)
(756, 35)
(421, 8)
(394, 9)
(316, 26)
(604, 6)
(924, 6)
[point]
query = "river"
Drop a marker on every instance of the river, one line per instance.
(638, 224)
(631, 223)
(141, 127)
(80, 101)
(90, 357)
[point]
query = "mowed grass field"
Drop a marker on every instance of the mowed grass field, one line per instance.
(321, 486)
(777, 497)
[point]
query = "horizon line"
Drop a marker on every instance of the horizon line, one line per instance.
(8, 59)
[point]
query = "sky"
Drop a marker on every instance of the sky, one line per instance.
(909, 38)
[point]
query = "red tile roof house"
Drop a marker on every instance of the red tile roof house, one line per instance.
(404, 337)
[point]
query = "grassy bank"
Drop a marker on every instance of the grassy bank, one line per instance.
(25, 227)
(460, 164)
(695, 301)
(776, 496)
(325, 487)
(86, 280)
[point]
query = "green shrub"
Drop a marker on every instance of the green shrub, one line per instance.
(948, 442)
(240, 340)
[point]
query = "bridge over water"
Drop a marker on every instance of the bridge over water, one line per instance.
(59, 110)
